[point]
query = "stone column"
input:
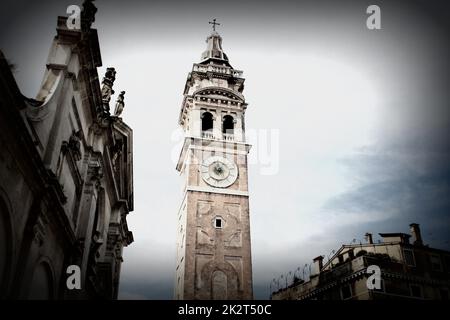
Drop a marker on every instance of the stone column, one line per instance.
(217, 129)
(87, 211)
(195, 122)
(238, 132)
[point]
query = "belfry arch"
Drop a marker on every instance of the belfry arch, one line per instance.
(228, 124)
(207, 121)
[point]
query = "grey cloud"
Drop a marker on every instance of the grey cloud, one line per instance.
(396, 194)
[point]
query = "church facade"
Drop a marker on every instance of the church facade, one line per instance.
(66, 168)
(213, 236)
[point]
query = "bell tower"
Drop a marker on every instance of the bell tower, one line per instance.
(213, 236)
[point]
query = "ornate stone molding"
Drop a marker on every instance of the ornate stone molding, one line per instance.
(73, 146)
(39, 229)
(95, 172)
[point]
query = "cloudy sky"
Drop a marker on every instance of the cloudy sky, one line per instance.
(350, 126)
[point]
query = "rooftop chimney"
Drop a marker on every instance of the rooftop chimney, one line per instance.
(318, 264)
(369, 238)
(415, 233)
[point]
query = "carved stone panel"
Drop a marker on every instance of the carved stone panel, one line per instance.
(201, 260)
(204, 208)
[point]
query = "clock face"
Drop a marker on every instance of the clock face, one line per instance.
(219, 172)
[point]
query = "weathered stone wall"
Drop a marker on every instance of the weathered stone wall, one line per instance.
(66, 177)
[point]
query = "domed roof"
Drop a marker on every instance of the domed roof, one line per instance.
(214, 51)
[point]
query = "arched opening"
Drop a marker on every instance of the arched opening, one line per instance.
(42, 283)
(219, 285)
(207, 121)
(228, 125)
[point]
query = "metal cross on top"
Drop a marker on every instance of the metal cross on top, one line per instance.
(214, 23)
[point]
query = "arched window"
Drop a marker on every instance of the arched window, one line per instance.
(228, 124)
(207, 121)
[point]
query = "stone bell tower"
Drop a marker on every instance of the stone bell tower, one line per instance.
(213, 236)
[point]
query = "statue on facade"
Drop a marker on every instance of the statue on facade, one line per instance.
(107, 90)
(75, 144)
(88, 12)
(120, 104)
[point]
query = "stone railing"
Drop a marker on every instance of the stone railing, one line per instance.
(224, 136)
(208, 135)
(228, 137)
(217, 69)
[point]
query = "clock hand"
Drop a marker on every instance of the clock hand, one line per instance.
(218, 169)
